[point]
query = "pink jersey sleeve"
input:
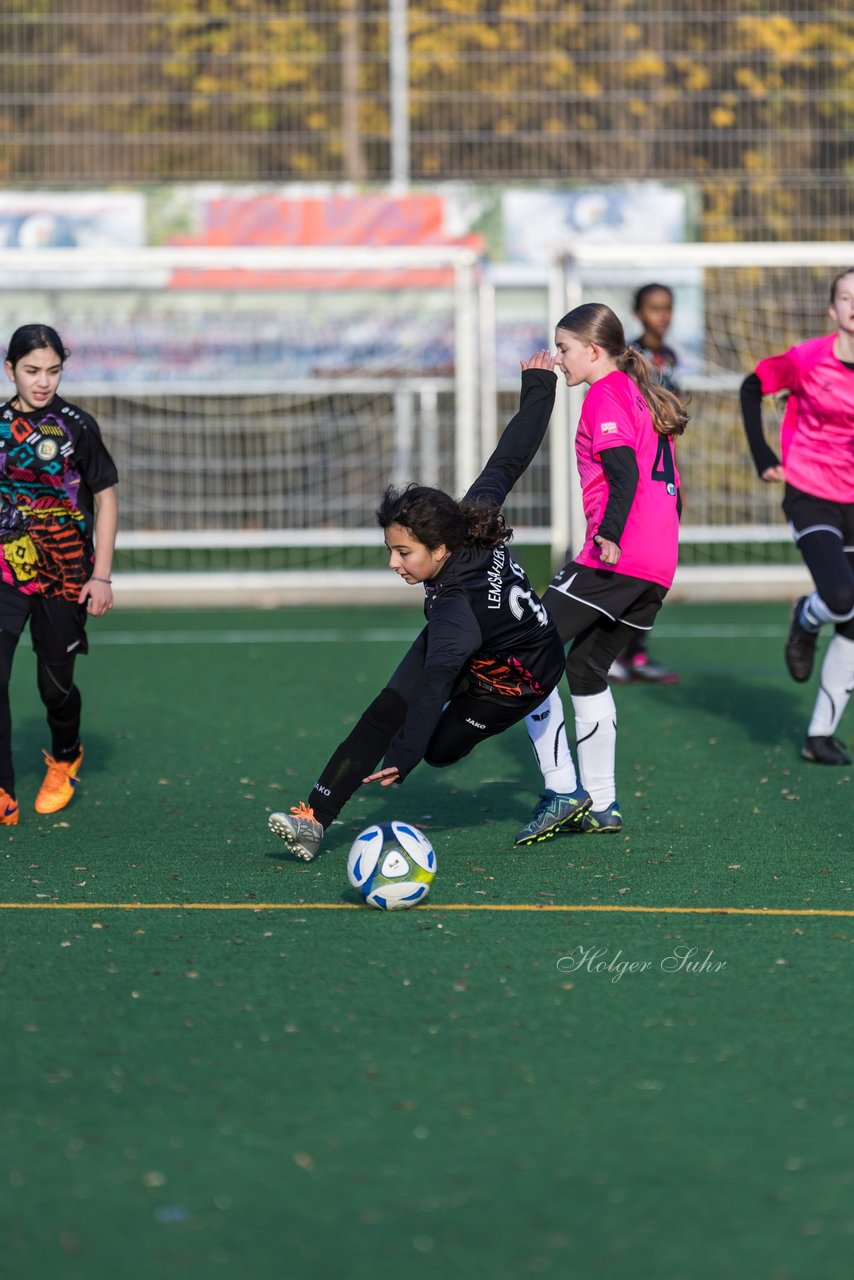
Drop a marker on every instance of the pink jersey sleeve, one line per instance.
(779, 373)
(610, 419)
(817, 431)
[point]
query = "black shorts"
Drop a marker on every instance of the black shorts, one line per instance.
(808, 514)
(621, 598)
(57, 626)
(472, 716)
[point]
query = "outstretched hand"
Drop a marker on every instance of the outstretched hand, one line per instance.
(385, 777)
(540, 360)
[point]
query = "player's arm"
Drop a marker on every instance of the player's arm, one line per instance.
(99, 474)
(765, 460)
(620, 465)
(523, 435)
(97, 593)
(453, 635)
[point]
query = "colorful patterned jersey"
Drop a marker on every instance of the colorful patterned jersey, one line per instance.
(615, 413)
(52, 463)
(664, 361)
(817, 434)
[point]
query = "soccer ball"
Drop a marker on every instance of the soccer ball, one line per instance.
(392, 864)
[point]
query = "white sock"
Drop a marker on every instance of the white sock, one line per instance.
(596, 744)
(837, 681)
(547, 731)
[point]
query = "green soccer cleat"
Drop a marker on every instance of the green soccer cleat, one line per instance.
(604, 822)
(299, 829)
(554, 812)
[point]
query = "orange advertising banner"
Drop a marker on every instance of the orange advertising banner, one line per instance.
(334, 220)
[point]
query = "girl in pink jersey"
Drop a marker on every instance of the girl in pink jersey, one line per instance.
(616, 584)
(817, 447)
(653, 307)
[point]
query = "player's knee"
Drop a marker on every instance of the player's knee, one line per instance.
(840, 600)
(440, 755)
(455, 736)
(586, 675)
(386, 712)
(55, 685)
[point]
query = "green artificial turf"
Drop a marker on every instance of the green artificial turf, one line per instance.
(317, 1090)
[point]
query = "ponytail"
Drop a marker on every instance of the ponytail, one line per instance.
(669, 416)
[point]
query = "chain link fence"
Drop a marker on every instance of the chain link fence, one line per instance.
(751, 105)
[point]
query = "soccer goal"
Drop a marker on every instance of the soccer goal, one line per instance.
(258, 400)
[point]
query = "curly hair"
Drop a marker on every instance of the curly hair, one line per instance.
(436, 519)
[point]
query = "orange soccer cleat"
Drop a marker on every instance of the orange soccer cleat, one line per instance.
(8, 809)
(59, 783)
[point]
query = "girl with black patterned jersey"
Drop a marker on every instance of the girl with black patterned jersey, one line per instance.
(57, 488)
(489, 654)
(816, 468)
(653, 307)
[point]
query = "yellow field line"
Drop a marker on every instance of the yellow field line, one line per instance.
(438, 906)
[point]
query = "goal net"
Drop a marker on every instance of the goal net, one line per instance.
(258, 401)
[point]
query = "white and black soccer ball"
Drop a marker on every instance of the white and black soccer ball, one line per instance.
(392, 864)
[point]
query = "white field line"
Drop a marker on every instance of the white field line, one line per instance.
(383, 635)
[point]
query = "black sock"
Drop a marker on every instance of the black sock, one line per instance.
(357, 756)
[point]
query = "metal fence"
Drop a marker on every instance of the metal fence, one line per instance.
(751, 105)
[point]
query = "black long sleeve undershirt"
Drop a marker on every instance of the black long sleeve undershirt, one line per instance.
(621, 467)
(520, 439)
(750, 397)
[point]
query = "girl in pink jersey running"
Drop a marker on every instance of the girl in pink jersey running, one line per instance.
(817, 447)
(616, 584)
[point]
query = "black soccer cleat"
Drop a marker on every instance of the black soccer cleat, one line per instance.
(825, 750)
(800, 646)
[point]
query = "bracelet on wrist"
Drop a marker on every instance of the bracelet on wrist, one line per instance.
(108, 581)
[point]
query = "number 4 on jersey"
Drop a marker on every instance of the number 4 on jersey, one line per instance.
(662, 468)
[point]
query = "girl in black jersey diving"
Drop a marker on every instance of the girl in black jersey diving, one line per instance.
(489, 654)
